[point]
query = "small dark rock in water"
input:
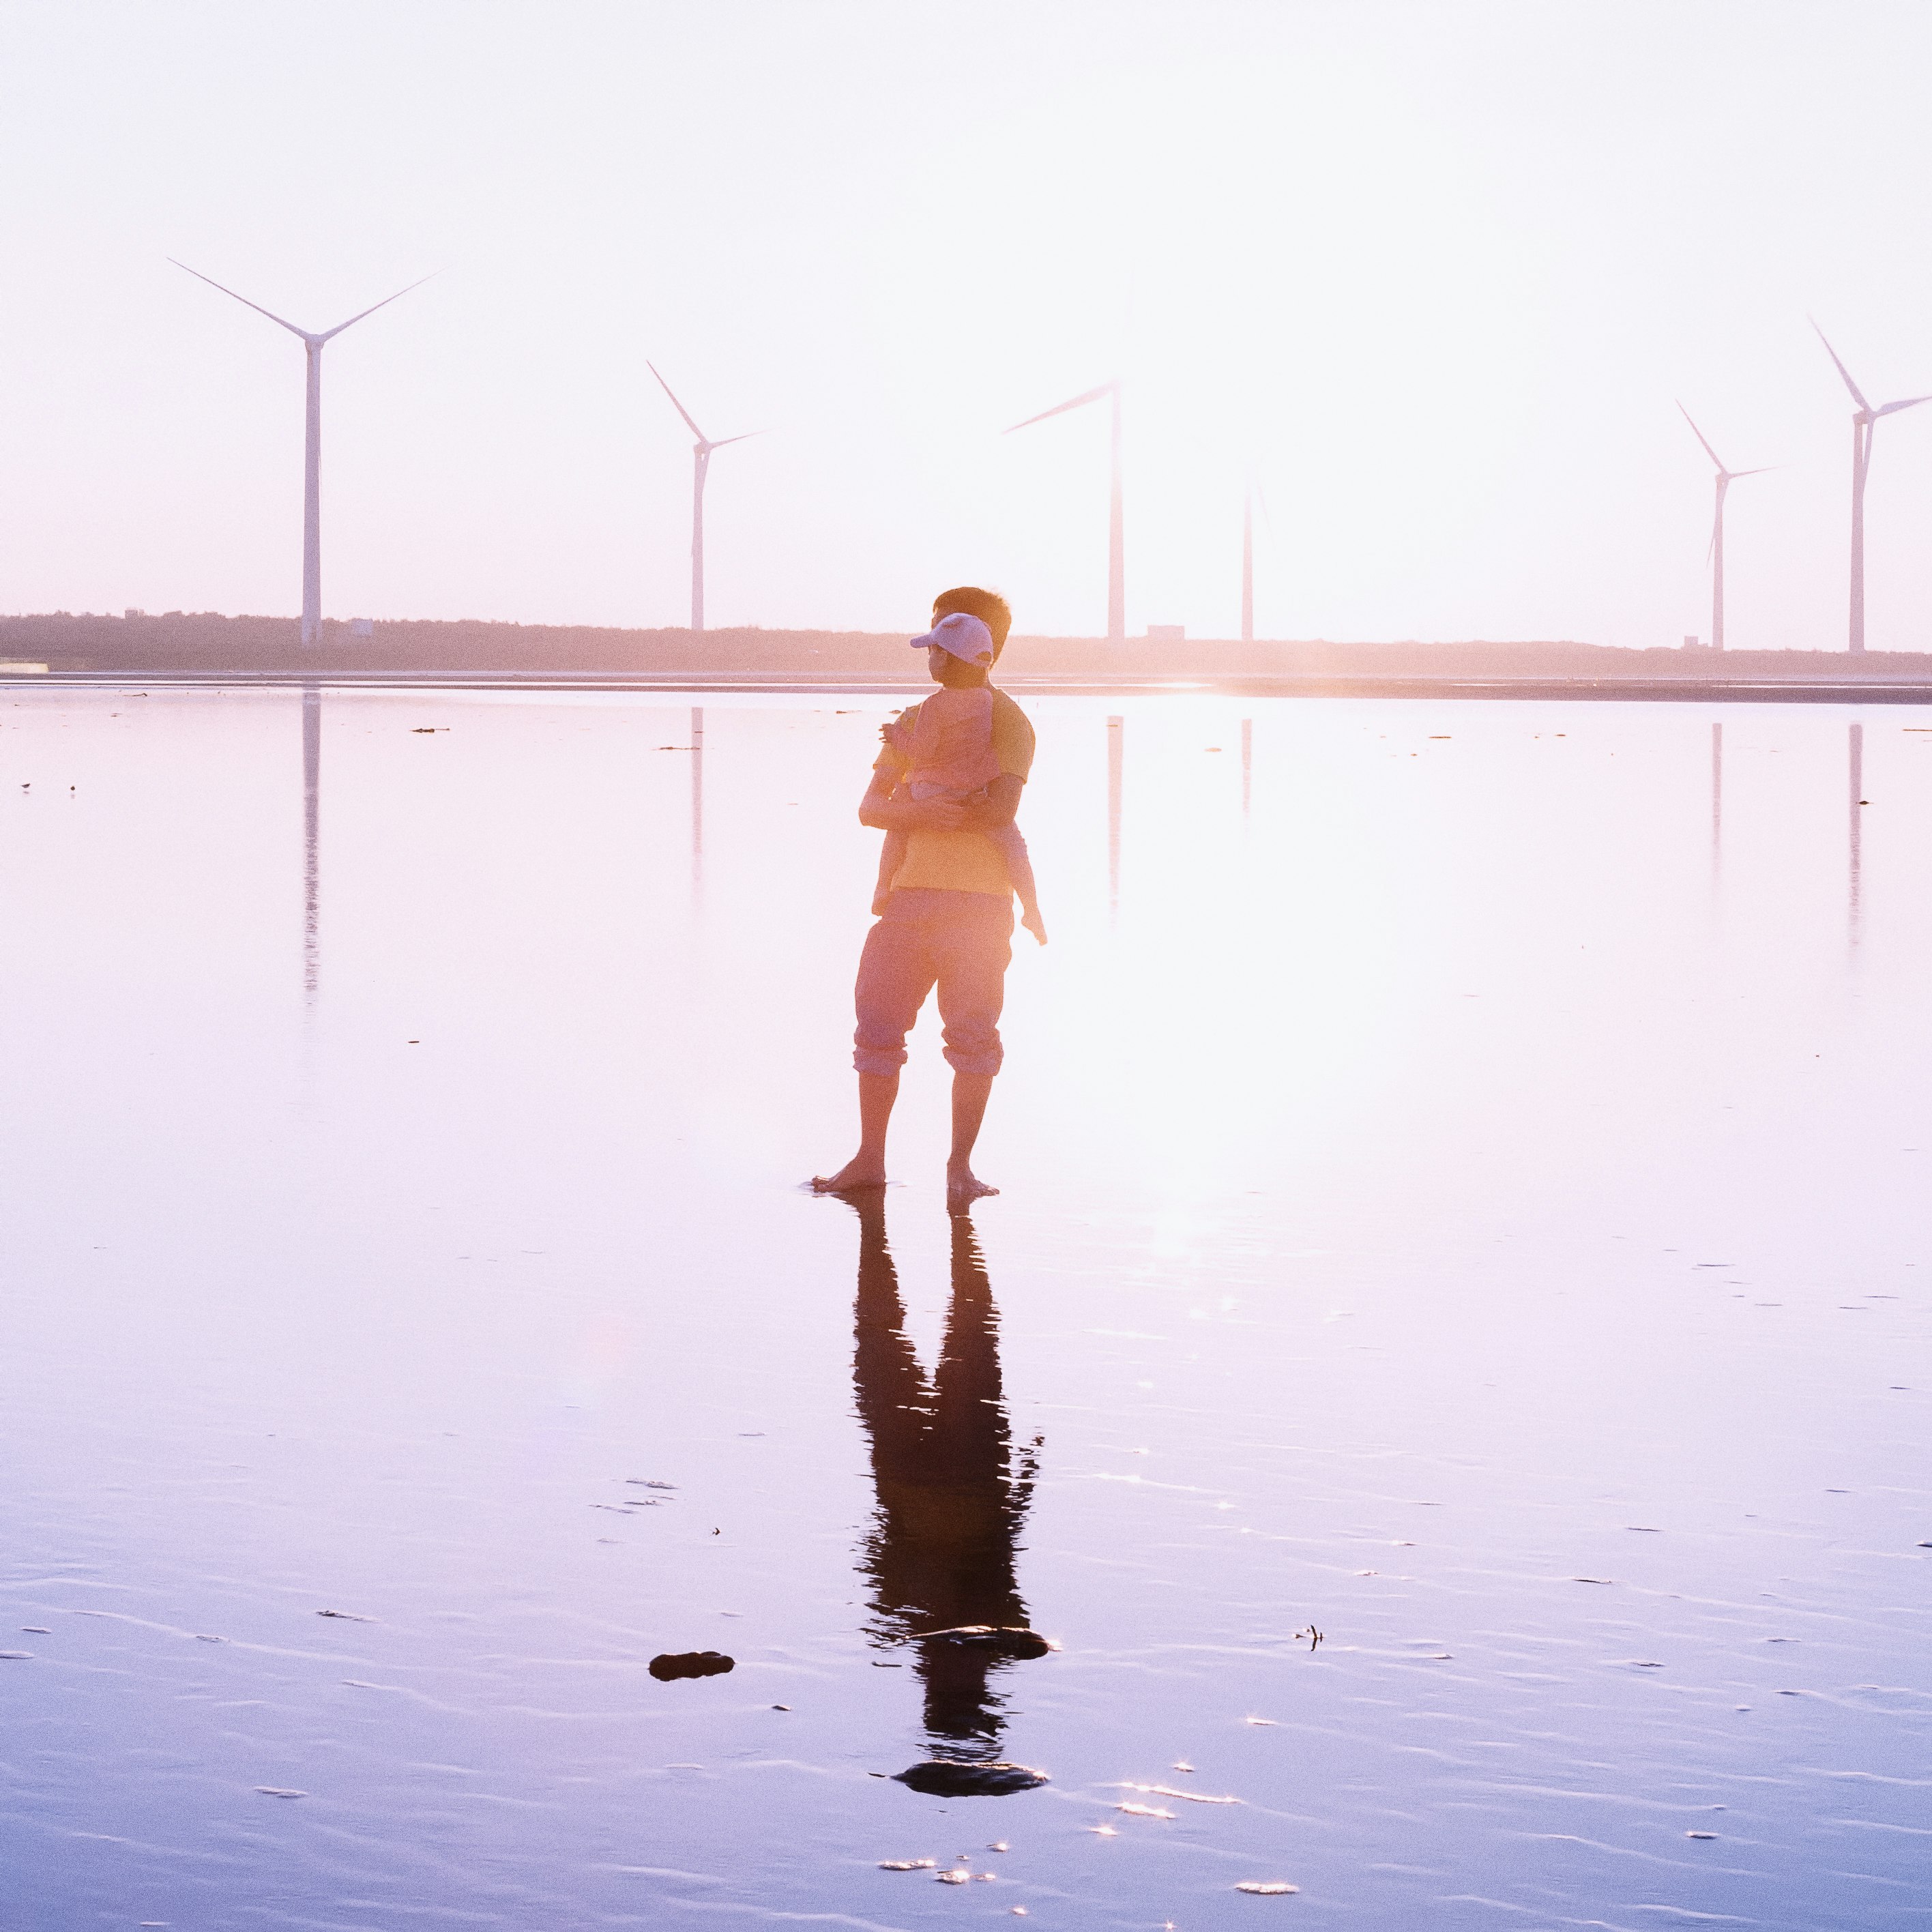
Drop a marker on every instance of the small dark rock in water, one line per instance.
(937, 1777)
(1007, 1641)
(672, 1665)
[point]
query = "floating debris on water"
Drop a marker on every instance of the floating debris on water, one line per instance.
(1168, 1791)
(17, 1656)
(1181, 1764)
(999, 1845)
(346, 1616)
(279, 1791)
(1257, 1721)
(1145, 1810)
(202, 1637)
(907, 1864)
(1590, 1579)
(1267, 1889)
(35, 1630)
(1007, 1640)
(1103, 1831)
(672, 1665)
(1700, 1834)
(648, 1483)
(941, 1777)
(954, 1877)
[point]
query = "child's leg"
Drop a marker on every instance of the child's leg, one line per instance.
(890, 859)
(1011, 842)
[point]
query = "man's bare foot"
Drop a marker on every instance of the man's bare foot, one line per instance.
(857, 1173)
(963, 1186)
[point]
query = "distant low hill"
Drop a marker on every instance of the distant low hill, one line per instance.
(205, 643)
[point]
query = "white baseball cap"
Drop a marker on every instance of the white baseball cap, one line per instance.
(962, 635)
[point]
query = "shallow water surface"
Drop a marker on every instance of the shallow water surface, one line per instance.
(1447, 1369)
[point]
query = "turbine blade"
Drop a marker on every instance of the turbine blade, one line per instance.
(1910, 403)
(1842, 370)
(1765, 471)
(1061, 409)
(1699, 435)
(372, 308)
(746, 438)
(675, 403)
(242, 299)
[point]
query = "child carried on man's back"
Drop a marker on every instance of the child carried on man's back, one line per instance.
(946, 742)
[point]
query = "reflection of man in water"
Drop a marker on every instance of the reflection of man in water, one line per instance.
(951, 1496)
(948, 921)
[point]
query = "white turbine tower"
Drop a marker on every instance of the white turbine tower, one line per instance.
(700, 463)
(311, 616)
(1726, 478)
(1116, 571)
(1864, 419)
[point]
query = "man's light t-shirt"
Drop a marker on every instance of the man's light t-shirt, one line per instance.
(967, 862)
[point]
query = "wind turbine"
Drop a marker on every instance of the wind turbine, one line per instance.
(1864, 419)
(700, 463)
(311, 616)
(1117, 574)
(1726, 478)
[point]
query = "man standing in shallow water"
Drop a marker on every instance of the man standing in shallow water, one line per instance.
(949, 922)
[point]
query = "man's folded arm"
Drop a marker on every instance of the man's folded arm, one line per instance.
(1001, 806)
(884, 813)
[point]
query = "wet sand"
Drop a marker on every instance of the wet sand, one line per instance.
(1462, 1171)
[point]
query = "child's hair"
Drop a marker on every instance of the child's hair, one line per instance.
(989, 606)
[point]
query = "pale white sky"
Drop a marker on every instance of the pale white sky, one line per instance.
(1439, 270)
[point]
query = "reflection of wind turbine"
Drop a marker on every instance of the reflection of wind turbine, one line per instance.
(1117, 572)
(1865, 419)
(1725, 479)
(311, 616)
(311, 722)
(700, 463)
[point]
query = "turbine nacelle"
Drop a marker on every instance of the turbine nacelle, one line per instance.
(1864, 413)
(314, 338)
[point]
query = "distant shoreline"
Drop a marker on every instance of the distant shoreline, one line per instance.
(1611, 691)
(206, 648)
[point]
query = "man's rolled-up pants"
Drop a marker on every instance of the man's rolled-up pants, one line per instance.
(960, 942)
